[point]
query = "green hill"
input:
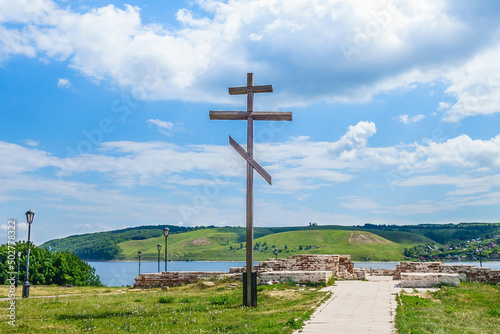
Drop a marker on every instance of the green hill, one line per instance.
(374, 242)
(227, 244)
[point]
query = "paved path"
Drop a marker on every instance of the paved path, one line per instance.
(357, 307)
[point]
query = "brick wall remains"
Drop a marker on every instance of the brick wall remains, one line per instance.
(175, 278)
(468, 272)
(296, 276)
(362, 272)
(341, 265)
(428, 280)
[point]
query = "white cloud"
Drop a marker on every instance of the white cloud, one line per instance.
(63, 83)
(397, 45)
(164, 127)
(31, 142)
(475, 85)
(407, 119)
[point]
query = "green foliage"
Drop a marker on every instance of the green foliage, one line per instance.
(331, 281)
(46, 267)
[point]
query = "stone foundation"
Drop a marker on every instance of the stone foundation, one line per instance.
(175, 278)
(465, 272)
(340, 265)
(296, 276)
(428, 280)
(361, 273)
(300, 268)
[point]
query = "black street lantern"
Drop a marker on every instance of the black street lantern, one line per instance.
(276, 253)
(480, 250)
(166, 231)
(18, 263)
(26, 285)
(159, 249)
(139, 253)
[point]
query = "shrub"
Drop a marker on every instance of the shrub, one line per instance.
(219, 300)
(166, 300)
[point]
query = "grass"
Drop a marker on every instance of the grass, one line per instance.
(471, 308)
(44, 290)
(225, 243)
(187, 309)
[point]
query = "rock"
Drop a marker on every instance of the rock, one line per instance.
(208, 283)
(234, 285)
(303, 286)
(165, 288)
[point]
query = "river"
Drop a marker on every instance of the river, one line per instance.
(124, 273)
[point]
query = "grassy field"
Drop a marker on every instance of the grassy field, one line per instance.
(227, 244)
(472, 308)
(188, 309)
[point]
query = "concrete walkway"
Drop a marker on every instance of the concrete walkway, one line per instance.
(357, 307)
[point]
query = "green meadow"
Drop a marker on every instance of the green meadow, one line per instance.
(472, 308)
(190, 309)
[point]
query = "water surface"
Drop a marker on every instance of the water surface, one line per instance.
(124, 273)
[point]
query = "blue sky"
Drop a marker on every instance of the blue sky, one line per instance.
(104, 112)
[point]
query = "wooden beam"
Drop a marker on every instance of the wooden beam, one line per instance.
(257, 115)
(253, 89)
(250, 160)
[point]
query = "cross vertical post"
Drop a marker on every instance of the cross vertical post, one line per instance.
(249, 284)
(249, 220)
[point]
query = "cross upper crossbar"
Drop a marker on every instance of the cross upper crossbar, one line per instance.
(251, 89)
(257, 115)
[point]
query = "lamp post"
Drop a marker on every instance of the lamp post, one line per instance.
(166, 231)
(480, 250)
(139, 253)
(26, 285)
(159, 249)
(276, 253)
(18, 263)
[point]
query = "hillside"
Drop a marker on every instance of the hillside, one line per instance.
(227, 244)
(103, 245)
(376, 242)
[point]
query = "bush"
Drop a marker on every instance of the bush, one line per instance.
(48, 268)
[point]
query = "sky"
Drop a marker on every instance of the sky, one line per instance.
(104, 112)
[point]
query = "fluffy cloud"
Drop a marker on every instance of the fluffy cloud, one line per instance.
(405, 119)
(63, 83)
(165, 127)
(339, 50)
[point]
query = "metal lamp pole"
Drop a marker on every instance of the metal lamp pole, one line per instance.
(139, 253)
(18, 263)
(480, 250)
(166, 231)
(26, 285)
(159, 249)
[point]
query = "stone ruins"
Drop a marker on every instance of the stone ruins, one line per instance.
(319, 268)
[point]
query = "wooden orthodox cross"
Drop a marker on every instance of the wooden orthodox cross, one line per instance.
(249, 291)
